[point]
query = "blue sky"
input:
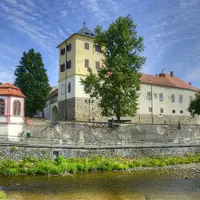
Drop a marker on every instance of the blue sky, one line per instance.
(170, 28)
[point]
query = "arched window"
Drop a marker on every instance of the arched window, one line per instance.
(17, 108)
(2, 107)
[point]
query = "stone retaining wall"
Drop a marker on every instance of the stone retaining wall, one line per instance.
(93, 133)
(19, 152)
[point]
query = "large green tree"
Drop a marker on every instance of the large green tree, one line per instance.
(117, 81)
(194, 107)
(32, 79)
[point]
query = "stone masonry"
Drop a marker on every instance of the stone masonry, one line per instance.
(66, 110)
(80, 109)
(88, 110)
(18, 152)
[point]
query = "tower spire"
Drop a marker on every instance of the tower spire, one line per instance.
(84, 22)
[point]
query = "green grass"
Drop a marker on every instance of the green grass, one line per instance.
(2, 195)
(61, 165)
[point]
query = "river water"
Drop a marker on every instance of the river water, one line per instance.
(156, 185)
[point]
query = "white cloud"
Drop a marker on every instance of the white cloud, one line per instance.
(192, 74)
(7, 76)
(64, 13)
(12, 2)
(30, 3)
(185, 4)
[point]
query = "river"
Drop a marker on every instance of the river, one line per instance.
(167, 184)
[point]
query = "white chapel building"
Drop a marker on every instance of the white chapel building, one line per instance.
(11, 111)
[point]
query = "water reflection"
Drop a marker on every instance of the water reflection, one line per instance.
(157, 185)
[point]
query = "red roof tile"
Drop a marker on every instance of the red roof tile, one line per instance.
(166, 80)
(9, 89)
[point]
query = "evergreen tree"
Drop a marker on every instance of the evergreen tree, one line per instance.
(32, 79)
(117, 82)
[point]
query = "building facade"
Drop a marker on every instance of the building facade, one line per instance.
(51, 109)
(11, 111)
(165, 94)
(77, 54)
(162, 94)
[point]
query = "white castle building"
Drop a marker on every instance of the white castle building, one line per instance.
(162, 94)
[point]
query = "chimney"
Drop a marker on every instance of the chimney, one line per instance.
(190, 83)
(171, 73)
(162, 75)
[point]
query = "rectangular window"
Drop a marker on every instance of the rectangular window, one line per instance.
(173, 111)
(86, 63)
(69, 64)
(69, 47)
(62, 51)
(161, 96)
(87, 45)
(150, 109)
(180, 99)
(69, 87)
(2, 107)
(97, 48)
(62, 68)
(62, 89)
(181, 111)
(97, 65)
(172, 98)
(161, 110)
(149, 96)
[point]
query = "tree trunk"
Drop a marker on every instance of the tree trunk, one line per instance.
(118, 118)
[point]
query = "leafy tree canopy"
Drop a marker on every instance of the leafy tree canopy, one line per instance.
(32, 79)
(117, 81)
(194, 107)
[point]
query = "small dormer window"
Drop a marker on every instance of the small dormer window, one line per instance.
(91, 34)
(87, 33)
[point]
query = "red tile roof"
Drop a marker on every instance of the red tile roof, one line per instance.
(166, 80)
(9, 89)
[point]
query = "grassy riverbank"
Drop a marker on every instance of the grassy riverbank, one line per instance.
(32, 166)
(2, 195)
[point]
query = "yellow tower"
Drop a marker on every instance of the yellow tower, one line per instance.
(77, 54)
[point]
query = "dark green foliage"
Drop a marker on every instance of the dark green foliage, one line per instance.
(121, 47)
(32, 166)
(194, 107)
(32, 79)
